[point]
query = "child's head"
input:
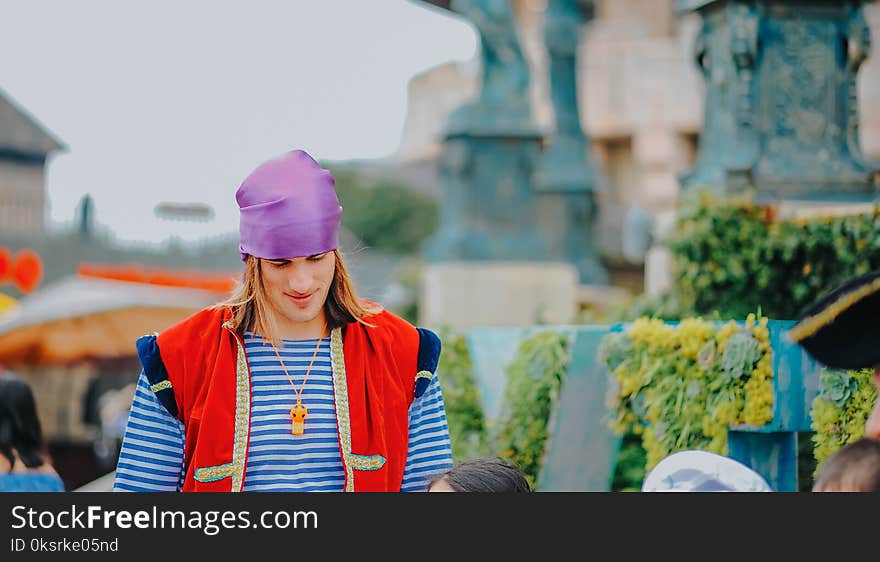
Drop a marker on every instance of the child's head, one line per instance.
(852, 468)
(481, 475)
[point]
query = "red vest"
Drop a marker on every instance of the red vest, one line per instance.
(373, 378)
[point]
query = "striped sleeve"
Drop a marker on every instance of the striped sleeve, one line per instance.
(429, 452)
(151, 458)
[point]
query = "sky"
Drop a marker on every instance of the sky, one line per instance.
(177, 101)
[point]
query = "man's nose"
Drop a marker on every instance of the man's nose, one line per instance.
(299, 280)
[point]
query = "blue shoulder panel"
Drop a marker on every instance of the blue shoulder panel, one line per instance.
(429, 356)
(154, 369)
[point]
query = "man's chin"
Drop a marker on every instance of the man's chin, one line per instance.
(302, 316)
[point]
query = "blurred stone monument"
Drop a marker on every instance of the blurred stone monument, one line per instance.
(781, 111)
(566, 178)
(516, 231)
(491, 146)
(490, 262)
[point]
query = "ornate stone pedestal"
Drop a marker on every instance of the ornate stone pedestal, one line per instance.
(463, 294)
(781, 112)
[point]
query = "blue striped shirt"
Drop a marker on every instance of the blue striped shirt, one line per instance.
(152, 454)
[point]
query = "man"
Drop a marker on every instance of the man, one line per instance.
(293, 383)
(842, 331)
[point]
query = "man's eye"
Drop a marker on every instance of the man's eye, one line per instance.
(317, 257)
(279, 263)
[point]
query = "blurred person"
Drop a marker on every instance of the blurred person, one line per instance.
(702, 471)
(112, 413)
(840, 330)
(24, 460)
(293, 383)
(481, 475)
(855, 467)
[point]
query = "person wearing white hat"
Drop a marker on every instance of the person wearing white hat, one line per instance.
(702, 471)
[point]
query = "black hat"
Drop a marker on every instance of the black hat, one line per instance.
(842, 329)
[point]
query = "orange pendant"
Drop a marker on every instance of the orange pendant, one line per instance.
(298, 418)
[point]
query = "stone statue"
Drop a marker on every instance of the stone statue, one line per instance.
(563, 21)
(566, 171)
(504, 94)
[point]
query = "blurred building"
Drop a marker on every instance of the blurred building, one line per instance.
(25, 146)
(641, 100)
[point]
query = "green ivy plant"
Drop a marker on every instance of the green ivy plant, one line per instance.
(464, 413)
(732, 256)
(534, 378)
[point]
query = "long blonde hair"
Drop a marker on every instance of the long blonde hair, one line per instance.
(250, 306)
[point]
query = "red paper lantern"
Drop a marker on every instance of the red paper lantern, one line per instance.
(27, 270)
(5, 265)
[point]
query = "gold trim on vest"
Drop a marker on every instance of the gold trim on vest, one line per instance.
(242, 417)
(424, 375)
(365, 462)
(212, 473)
(160, 386)
(340, 392)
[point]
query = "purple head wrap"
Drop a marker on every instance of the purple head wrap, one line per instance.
(289, 209)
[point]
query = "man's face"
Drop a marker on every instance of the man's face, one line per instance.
(872, 427)
(298, 287)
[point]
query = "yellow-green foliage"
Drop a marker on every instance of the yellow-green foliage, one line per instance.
(681, 386)
(840, 410)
